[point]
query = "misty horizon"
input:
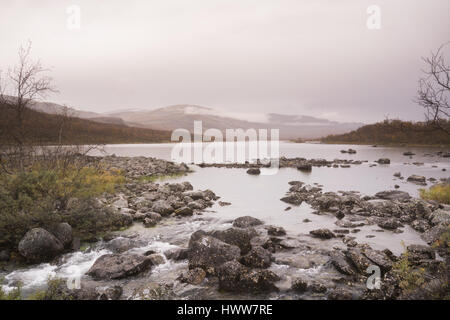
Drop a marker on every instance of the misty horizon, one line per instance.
(288, 57)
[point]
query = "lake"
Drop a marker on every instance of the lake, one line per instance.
(259, 196)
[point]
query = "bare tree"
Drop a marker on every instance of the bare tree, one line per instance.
(434, 89)
(25, 83)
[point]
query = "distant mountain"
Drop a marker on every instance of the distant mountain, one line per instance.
(183, 116)
(53, 108)
(43, 128)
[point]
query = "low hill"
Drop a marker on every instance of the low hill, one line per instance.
(395, 132)
(44, 128)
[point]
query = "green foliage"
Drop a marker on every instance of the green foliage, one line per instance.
(54, 291)
(39, 197)
(395, 132)
(410, 278)
(15, 294)
(439, 193)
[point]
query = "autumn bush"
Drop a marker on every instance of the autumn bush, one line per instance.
(40, 196)
(439, 193)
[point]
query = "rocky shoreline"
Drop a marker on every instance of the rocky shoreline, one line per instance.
(245, 257)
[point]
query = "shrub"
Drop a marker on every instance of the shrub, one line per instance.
(39, 197)
(440, 193)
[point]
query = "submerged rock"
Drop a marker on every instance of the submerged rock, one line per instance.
(384, 161)
(194, 276)
(246, 222)
(393, 195)
(322, 233)
(421, 180)
(253, 171)
(117, 266)
(305, 167)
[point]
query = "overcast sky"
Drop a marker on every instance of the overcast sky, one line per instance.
(312, 57)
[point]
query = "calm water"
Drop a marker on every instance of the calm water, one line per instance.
(259, 196)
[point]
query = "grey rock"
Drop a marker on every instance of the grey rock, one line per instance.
(322, 233)
(246, 222)
(194, 276)
(258, 257)
(62, 232)
(162, 207)
(253, 171)
(39, 245)
(236, 236)
(209, 253)
(118, 266)
(393, 195)
(234, 277)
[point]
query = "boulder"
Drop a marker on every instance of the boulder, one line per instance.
(275, 231)
(234, 277)
(246, 222)
(439, 216)
(360, 261)
(258, 257)
(304, 167)
(384, 161)
(390, 224)
(197, 204)
(62, 232)
(120, 244)
(177, 254)
(393, 195)
(209, 253)
(118, 266)
(379, 258)
(162, 207)
(299, 285)
(39, 245)
(236, 236)
(340, 294)
(293, 198)
(254, 171)
(194, 276)
(434, 234)
(156, 259)
(195, 195)
(419, 252)
(341, 263)
(421, 180)
(109, 293)
(322, 233)
(184, 212)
